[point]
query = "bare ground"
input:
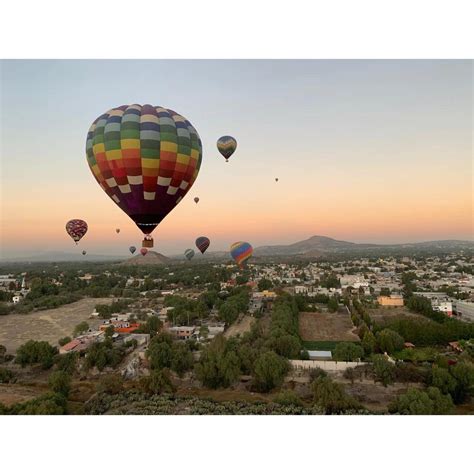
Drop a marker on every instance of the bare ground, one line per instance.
(385, 315)
(47, 325)
(326, 327)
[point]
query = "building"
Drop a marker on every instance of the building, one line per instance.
(183, 332)
(464, 309)
(320, 355)
(445, 307)
(392, 300)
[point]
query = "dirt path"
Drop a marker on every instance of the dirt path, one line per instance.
(48, 325)
(241, 326)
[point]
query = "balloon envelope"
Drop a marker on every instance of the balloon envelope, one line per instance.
(144, 251)
(132, 249)
(76, 228)
(189, 253)
(241, 252)
(202, 243)
(196, 199)
(84, 252)
(226, 146)
(146, 158)
(118, 231)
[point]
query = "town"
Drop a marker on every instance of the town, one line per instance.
(351, 335)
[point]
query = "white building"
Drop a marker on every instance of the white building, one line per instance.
(464, 309)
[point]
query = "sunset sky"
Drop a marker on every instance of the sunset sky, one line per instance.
(366, 151)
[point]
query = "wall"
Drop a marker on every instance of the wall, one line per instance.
(327, 365)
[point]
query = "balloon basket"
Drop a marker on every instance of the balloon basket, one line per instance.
(147, 243)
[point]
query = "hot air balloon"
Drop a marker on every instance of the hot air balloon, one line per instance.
(84, 252)
(196, 199)
(146, 158)
(189, 253)
(118, 231)
(202, 243)
(226, 146)
(144, 251)
(76, 228)
(276, 179)
(132, 249)
(241, 252)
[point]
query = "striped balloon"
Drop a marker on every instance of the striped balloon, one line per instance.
(189, 253)
(202, 243)
(226, 146)
(241, 252)
(146, 158)
(77, 229)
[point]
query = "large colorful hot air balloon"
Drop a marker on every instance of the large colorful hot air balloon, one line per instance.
(132, 249)
(76, 228)
(196, 199)
(241, 252)
(146, 158)
(144, 251)
(202, 243)
(226, 146)
(84, 252)
(189, 253)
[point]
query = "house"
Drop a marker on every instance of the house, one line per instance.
(182, 332)
(392, 300)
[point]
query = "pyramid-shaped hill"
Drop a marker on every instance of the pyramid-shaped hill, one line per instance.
(151, 258)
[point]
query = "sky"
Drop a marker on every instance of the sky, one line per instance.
(365, 150)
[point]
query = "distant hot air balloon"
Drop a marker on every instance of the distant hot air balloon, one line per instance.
(196, 199)
(118, 231)
(84, 252)
(189, 253)
(226, 146)
(241, 252)
(76, 228)
(276, 179)
(202, 243)
(146, 158)
(144, 251)
(132, 249)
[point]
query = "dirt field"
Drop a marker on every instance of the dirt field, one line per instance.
(48, 325)
(241, 326)
(326, 327)
(384, 315)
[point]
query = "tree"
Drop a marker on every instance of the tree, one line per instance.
(182, 359)
(34, 352)
(418, 402)
(269, 371)
(160, 355)
(109, 331)
(347, 351)
(443, 380)
(389, 341)
(81, 328)
(350, 374)
(383, 369)
(228, 312)
(385, 292)
(369, 343)
(158, 382)
(463, 372)
(333, 305)
(64, 340)
(331, 397)
(60, 382)
(67, 362)
(264, 284)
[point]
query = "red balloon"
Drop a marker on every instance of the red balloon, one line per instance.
(77, 229)
(144, 251)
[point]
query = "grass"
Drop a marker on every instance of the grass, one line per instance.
(417, 354)
(323, 345)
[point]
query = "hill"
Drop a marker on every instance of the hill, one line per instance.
(151, 258)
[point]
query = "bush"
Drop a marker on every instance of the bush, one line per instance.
(67, 362)
(389, 341)
(111, 384)
(331, 397)
(6, 375)
(49, 404)
(384, 370)
(158, 382)
(64, 340)
(288, 398)
(418, 402)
